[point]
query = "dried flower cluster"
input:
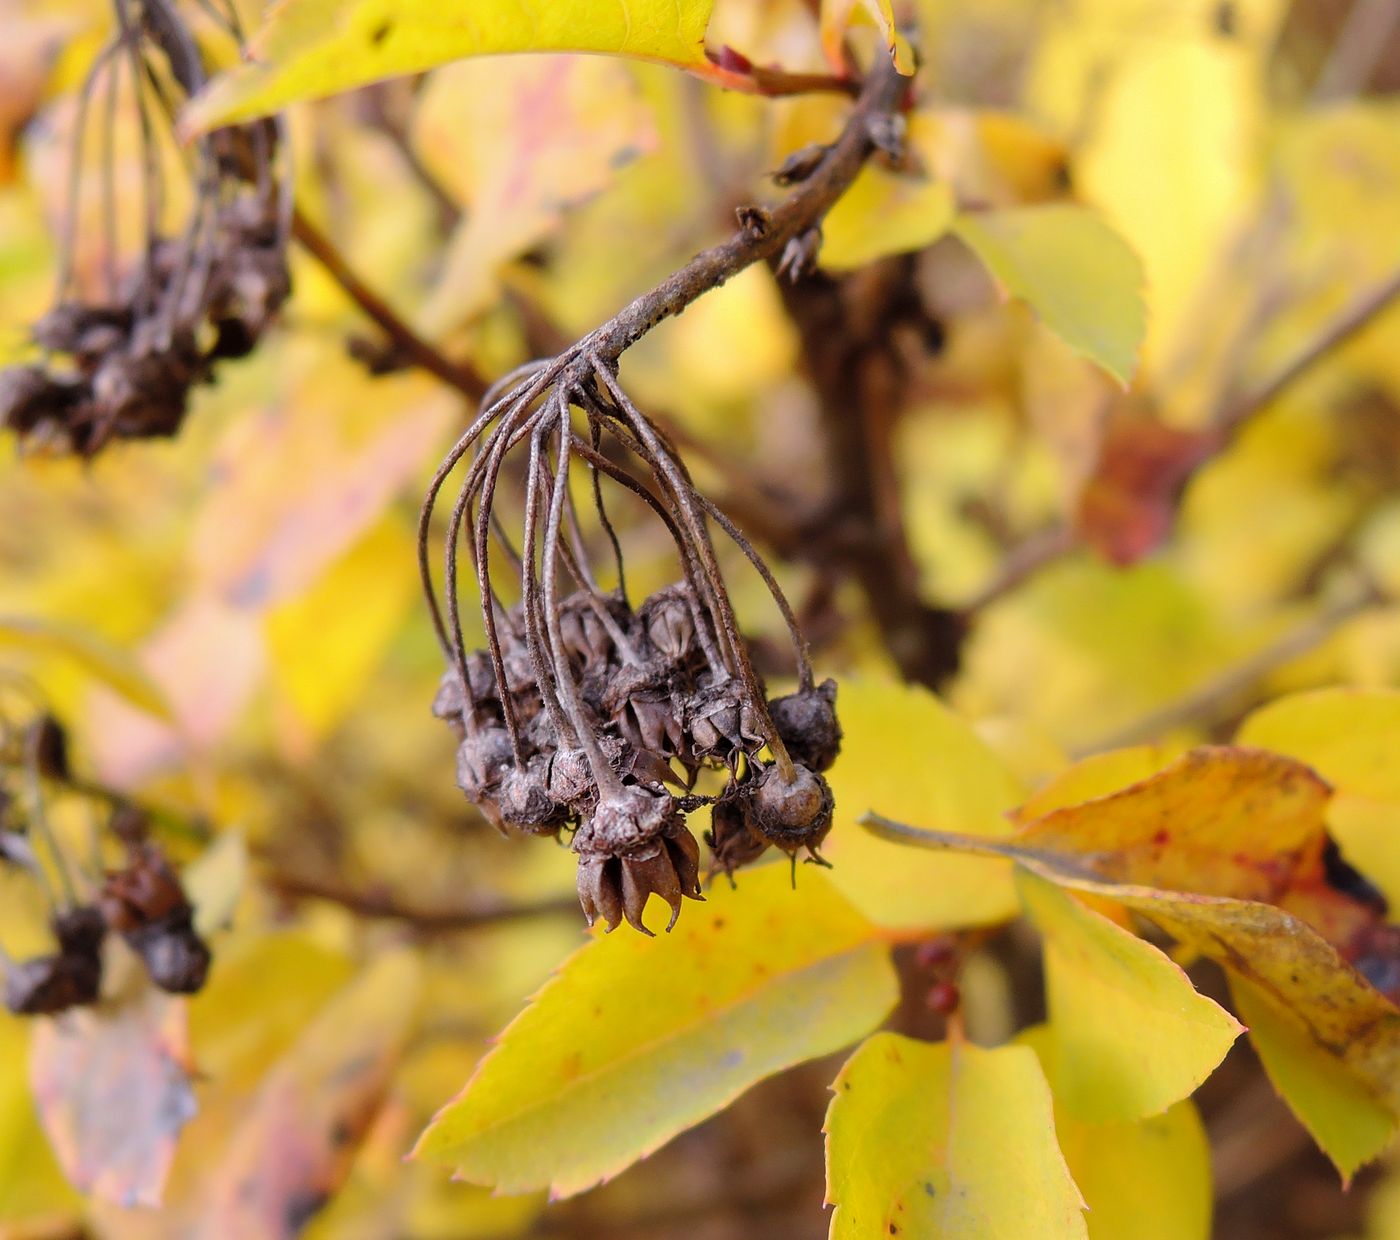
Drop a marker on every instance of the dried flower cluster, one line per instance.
(586, 714)
(121, 365)
(142, 902)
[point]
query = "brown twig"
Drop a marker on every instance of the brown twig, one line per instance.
(460, 375)
(796, 215)
(1208, 701)
(383, 906)
(1235, 411)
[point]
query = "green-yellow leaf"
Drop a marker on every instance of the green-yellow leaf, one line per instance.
(1351, 737)
(1131, 1035)
(311, 48)
(906, 753)
(1350, 1124)
(105, 663)
(1148, 1180)
(946, 1141)
(884, 213)
(1073, 270)
(1338, 1019)
(636, 1039)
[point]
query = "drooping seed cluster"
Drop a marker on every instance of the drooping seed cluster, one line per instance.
(589, 715)
(142, 902)
(121, 364)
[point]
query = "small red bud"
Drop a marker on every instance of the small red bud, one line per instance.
(943, 998)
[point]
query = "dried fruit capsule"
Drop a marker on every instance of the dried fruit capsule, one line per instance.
(70, 977)
(792, 815)
(807, 723)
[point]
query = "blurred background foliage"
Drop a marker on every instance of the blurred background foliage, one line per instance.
(230, 624)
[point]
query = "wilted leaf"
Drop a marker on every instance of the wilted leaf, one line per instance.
(1346, 1119)
(1219, 821)
(1130, 1034)
(1128, 504)
(946, 1141)
(296, 1143)
(1340, 1021)
(904, 748)
(636, 1039)
(523, 140)
(837, 16)
(310, 48)
(108, 665)
(1075, 272)
(1148, 1180)
(112, 1085)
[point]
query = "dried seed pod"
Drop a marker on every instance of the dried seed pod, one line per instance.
(47, 744)
(806, 721)
(593, 711)
(145, 903)
(733, 842)
(483, 758)
(525, 802)
(792, 815)
(70, 977)
(669, 623)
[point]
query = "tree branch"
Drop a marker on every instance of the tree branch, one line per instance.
(796, 215)
(460, 375)
(381, 905)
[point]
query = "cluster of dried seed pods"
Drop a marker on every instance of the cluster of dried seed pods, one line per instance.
(586, 714)
(142, 901)
(120, 363)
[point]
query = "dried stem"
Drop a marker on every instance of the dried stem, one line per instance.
(460, 375)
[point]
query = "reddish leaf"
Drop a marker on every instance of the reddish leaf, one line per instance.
(112, 1086)
(1129, 503)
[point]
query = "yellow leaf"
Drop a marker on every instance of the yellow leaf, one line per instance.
(1348, 1122)
(1351, 737)
(522, 140)
(214, 881)
(636, 1039)
(946, 1141)
(1148, 1180)
(906, 753)
(325, 642)
(311, 48)
(1131, 1035)
(1336, 1015)
(31, 1185)
(1078, 274)
(1098, 775)
(107, 664)
(838, 15)
(884, 213)
(297, 1136)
